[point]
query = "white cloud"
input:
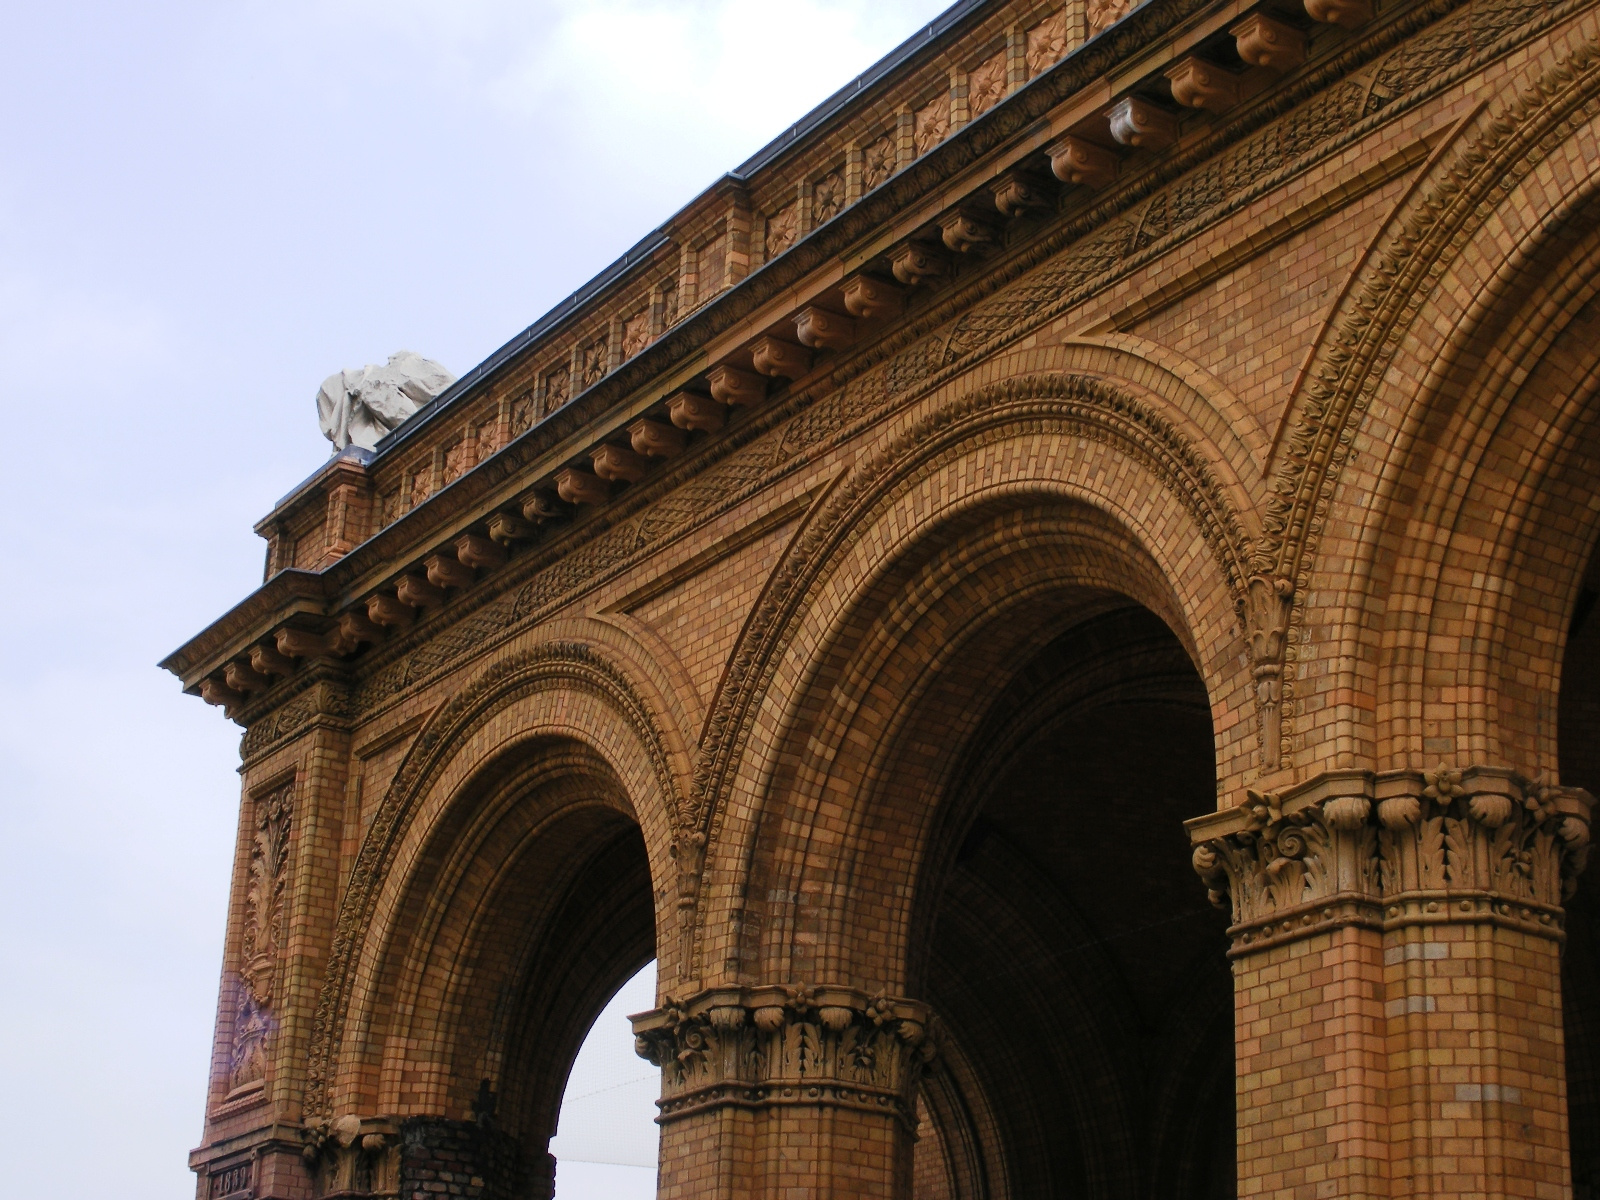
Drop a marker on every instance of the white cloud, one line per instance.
(634, 80)
(745, 68)
(608, 1111)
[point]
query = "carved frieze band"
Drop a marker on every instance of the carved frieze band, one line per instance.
(756, 1047)
(1401, 848)
(320, 700)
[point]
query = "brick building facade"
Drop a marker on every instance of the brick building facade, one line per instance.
(1056, 602)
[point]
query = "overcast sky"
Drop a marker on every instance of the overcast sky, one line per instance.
(204, 210)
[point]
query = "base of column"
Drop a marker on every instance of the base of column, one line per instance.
(445, 1158)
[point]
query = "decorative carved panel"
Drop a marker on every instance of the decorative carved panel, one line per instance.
(827, 197)
(592, 362)
(783, 227)
(932, 124)
(524, 413)
(877, 161)
(557, 388)
(635, 334)
(455, 460)
(259, 945)
(1047, 42)
(1105, 13)
(986, 86)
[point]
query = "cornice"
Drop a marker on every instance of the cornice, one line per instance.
(478, 493)
(1098, 57)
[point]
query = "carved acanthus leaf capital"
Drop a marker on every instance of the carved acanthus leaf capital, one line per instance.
(788, 1045)
(352, 1155)
(1448, 844)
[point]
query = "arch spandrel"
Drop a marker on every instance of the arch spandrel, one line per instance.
(1029, 430)
(1209, 412)
(571, 693)
(1456, 309)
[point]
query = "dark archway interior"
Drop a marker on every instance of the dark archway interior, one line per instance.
(1079, 971)
(1578, 736)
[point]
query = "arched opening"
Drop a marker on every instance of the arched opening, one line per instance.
(529, 906)
(1079, 972)
(607, 1141)
(1578, 723)
(985, 807)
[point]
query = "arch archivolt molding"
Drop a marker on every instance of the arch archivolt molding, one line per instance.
(1516, 431)
(962, 622)
(442, 938)
(559, 690)
(1400, 349)
(1496, 152)
(1033, 419)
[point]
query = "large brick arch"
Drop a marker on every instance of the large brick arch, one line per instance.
(1453, 382)
(557, 755)
(1034, 485)
(537, 878)
(1481, 605)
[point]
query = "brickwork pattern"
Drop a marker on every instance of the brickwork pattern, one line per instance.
(1251, 489)
(467, 1160)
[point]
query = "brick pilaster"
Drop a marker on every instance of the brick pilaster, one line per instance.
(787, 1091)
(1397, 982)
(285, 889)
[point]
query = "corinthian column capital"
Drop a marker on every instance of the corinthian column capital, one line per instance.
(793, 1045)
(1401, 847)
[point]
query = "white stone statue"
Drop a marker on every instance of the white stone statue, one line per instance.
(356, 408)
